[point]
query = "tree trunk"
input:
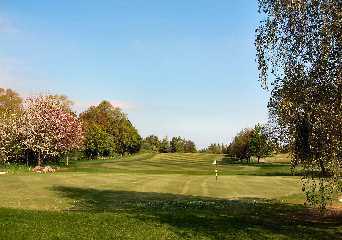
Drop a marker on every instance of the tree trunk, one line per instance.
(322, 168)
(39, 160)
(258, 159)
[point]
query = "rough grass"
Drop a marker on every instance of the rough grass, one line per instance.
(160, 196)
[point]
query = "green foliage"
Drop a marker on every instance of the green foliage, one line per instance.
(165, 146)
(11, 137)
(216, 149)
(190, 147)
(299, 52)
(240, 147)
(180, 145)
(11, 147)
(114, 127)
(151, 143)
(126, 137)
(177, 144)
(98, 142)
(260, 146)
(10, 101)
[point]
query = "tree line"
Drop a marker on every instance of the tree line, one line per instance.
(256, 142)
(45, 128)
(177, 145)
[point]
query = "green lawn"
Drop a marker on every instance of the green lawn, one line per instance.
(160, 196)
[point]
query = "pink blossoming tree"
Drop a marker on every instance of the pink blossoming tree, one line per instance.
(50, 129)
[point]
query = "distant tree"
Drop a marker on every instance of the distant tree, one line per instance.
(165, 146)
(189, 146)
(181, 145)
(240, 147)
(177, 145)
(216, 148)
(260, 146)
(10, 101)
(114, 122)
(299, 52)
(151, 143)
(50, 130)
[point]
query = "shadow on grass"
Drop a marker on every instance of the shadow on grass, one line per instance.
(219, 219)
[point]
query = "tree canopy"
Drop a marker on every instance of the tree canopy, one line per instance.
(49, 129)
(216, 148)
(10, 101)
(113, 125)
(299, 47)
(40, 127)
(240, 147)
(181, 145)
(165, 146)
(151, 143)
(260, 144)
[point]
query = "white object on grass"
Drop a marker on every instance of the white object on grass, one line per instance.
(3, 173)
(215, 162)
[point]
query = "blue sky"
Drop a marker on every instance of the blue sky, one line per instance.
(175, 67)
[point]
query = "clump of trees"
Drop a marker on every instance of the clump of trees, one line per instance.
(176, 145)
(45, 128)
(108, 131)
(299, 49)
(152, 144)
(240, 146)
(216, 148)
(250, 142)
(38, 128)
(181, 145)
(260, 145)
(165, 146)
(49, 128)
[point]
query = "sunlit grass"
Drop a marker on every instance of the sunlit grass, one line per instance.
(159, 196)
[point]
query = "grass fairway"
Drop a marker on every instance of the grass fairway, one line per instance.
(159, 196)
